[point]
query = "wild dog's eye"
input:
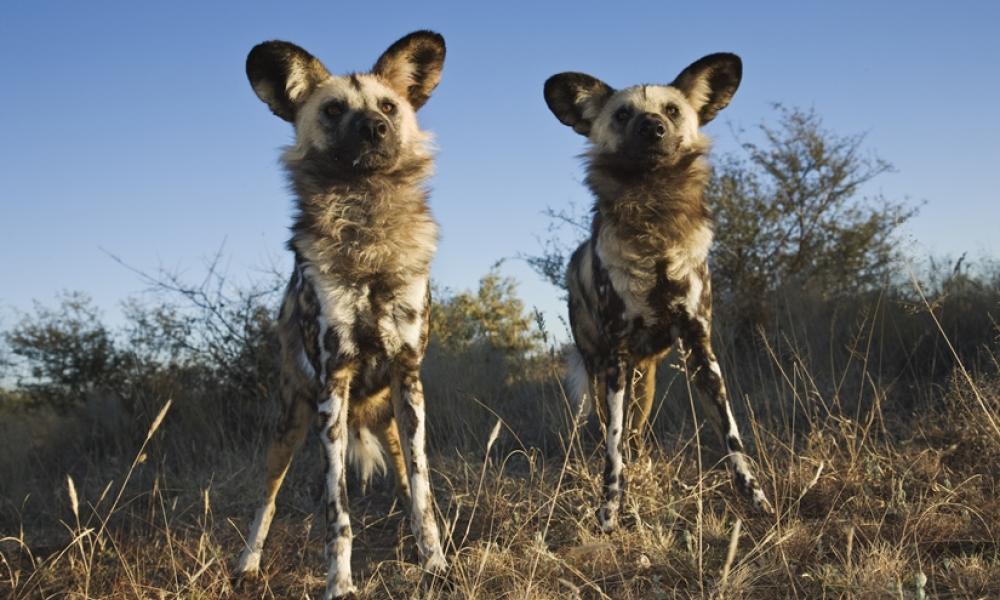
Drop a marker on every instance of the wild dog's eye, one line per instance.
(622, 114)
(333, 110)
(672, 111)
(387, 107)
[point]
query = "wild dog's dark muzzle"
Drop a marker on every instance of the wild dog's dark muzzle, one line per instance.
(649, 140)
(372, 128)
(370, 142)
(651, 128)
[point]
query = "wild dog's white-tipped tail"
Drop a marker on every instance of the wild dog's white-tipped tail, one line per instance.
(578, 385)
(365, 453)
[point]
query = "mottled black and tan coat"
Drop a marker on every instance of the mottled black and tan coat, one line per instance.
(354, 320)
(640, 283)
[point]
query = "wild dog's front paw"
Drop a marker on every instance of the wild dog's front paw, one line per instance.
(750, 490)
(748, 486)
(248, 567)
(340, 592)
(435, 563)
(607, 518)
(760, 503)
(245, 584)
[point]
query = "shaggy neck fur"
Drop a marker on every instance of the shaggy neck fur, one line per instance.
(359, 227)
(654, 208)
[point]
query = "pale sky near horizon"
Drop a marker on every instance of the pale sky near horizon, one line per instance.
(130, 128)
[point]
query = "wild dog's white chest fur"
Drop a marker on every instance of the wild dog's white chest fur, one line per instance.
(632, 268)
(345, 305)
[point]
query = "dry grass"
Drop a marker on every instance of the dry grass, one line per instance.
(875, 498)
(859, 515)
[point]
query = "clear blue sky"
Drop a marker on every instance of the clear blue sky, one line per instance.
(130, 127)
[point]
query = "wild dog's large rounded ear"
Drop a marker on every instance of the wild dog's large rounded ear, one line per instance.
(576, 99)
(710, 82)
(283, 75)
(412, 65)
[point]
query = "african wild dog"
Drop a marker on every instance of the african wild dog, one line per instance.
(641, 281)
(354, 320)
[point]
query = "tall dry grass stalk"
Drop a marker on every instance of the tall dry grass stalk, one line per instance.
(987, 412)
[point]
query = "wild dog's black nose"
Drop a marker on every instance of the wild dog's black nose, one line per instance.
(651, 127)
(373, 128)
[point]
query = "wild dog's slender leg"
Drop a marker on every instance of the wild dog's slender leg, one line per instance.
(408, 405)
(600, 386)
(644, 390)
(388, 436)
(297, 415)
(704, 369)
(614, 476)
(333, 435)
